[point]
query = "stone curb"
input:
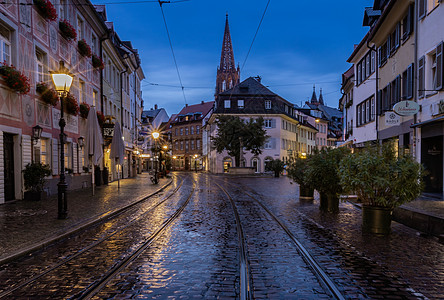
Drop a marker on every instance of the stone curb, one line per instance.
(93, 220)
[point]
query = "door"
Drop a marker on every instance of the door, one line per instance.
(255, 163)
(432, 159)
(8, 149)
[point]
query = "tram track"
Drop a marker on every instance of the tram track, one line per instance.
(126, 260)
(317, 270)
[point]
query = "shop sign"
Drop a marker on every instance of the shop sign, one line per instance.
(392, 119)
(406, 108)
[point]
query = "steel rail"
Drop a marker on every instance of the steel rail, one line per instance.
(97, 286)
(96, 243)
(317, 269)
(245, 279)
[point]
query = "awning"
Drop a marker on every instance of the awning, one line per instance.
(435, 120)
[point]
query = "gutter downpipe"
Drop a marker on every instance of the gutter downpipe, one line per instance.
(104, 38)
(415, 117)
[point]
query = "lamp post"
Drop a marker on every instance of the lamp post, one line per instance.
(195, 163)
(156, 136)
(36, 135)
(62, 82)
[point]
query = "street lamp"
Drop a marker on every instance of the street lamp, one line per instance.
(36, 134)
(155, 135)
(62, 81)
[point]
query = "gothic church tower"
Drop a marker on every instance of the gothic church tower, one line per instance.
(227, 74)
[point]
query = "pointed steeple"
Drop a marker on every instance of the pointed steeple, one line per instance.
(227, 74)
(321, 98)
(314, 99)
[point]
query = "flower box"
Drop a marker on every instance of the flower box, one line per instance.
(14, 79)
(67, 30)
(84, 48)
(97, 62)
(47, 94)
(46, 9)
(70, 105)
(84, 110)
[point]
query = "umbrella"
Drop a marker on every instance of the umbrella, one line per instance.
(94, 141)
(117, 149)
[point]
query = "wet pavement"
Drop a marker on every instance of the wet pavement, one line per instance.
(197, 255)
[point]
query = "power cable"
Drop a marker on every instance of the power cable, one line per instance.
(254, 38)
(172, 50)
(103, 3)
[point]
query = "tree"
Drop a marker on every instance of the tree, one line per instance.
(234, 133)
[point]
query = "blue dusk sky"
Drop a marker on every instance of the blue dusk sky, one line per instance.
(299, 43)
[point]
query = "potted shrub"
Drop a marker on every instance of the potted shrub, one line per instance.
(276, 166)
(323, 175)
(46, 9)
(47, 94)
(70, 105)
(67, 30)
(14, 79)
(84, 110)
(84, 48)
(297, 171)
(34, 177)
(97, 62)
(382, 181)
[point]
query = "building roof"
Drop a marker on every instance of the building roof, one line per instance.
(202, 108)
(152, 113)
(250, 86)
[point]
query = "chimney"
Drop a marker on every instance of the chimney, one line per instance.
(155, 106)
(186, 104)
(258, 78)
(202, 102)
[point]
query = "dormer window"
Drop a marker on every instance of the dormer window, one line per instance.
(240, 103)
(227, 104)
(267, 104)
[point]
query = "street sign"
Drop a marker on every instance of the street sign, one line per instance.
(392, 118)
(406, 108)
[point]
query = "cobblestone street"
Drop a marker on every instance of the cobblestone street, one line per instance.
(183, 243)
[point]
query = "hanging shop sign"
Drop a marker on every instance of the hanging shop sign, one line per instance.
(392, 118)
(406, 108)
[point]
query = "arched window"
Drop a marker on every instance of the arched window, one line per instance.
(227, 164)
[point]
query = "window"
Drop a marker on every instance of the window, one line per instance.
(197, 129)
(192, 130)
(94, 44)
(227, 104)
(62, 14)
(186, 130)
(175, 131)
(181, 145)
(432, 4)
(383, 53)
(394, 39)
(5, 44)
(422, 8)
(433, 83)
(40, 65)
(197, 144)
(421, 79)
(181, 131)
(186, 146)
(192, 144)
(80, 29)
(240, 103)
(407, 23)
(44, 151)
(365, 111)
(407, 83)
(68, 161)
(82, 91)
(94, 97)
(267, 104)
(268, 123)
(176, 145)
(268, 144)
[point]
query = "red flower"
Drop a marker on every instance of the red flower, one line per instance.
(14, 79)
(84, 48)
(47, 94)
(97, 62)
(100, 118)
(46, 9)
(67, 30)
(84, 110)
(70, 105)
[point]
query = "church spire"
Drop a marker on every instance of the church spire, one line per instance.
(321, 98)
(314, 99)
(227, 74)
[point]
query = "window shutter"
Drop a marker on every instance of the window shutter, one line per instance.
(421, 9)
(397, 34)
(439, 67)
(379, 102)
(273, 123)
(398, 88)
(410, 81)
(421, 77)
(412, 18)
(388, 98)
(273, 143)
(380, 56)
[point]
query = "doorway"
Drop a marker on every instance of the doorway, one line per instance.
(8, 148)
(432, 159)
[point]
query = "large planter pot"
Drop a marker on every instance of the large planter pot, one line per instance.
(329, 203)
(376, 219)
(305, 193)
(33, 196)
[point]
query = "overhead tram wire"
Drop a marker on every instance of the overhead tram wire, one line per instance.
(102, 3)
(254, 38)
(172, 50)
